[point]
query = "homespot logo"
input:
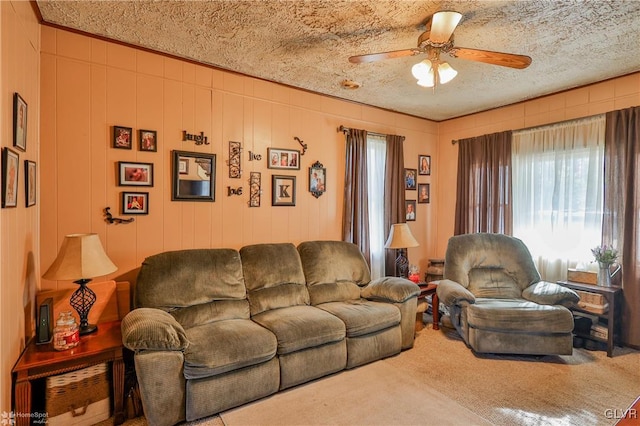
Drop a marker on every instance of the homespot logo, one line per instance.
(9, 418)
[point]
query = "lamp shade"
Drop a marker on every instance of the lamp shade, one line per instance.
(400, 237)
(80, 256)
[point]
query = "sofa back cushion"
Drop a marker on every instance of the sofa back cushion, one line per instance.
(334, 270)
(273, 276)
(490, 265)
(189, 283)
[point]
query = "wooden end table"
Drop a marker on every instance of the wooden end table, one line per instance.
(429, 289)
(38, 361)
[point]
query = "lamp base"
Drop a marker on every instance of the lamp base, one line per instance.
(402, 264)
(88, 329)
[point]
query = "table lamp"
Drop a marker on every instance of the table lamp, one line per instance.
(81, 257)
(400, 238)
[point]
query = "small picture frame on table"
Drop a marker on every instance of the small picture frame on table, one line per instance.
(135, 174)
(122, 137)
(148, 140)
(30, 182)
(19, 122)
(135, 203)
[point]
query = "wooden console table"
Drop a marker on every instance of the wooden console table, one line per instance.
(38, 361)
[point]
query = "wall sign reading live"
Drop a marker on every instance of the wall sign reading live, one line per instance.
(200, 139)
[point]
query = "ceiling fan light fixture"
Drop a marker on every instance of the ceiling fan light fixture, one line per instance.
(427, 82)
(422, 70)
(446, 73)
(443, 24)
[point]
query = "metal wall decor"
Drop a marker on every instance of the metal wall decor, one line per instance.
(255, 189)
(235, 160)
(304, 145)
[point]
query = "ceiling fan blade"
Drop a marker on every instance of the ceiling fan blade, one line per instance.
(443, 24)
(496, 58)
(371, 57)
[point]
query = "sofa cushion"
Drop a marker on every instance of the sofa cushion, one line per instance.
(334, 270)
(518, 315)
(222, 346)
(362, 316)
(301, 327)
(212, 311)
(182, 278)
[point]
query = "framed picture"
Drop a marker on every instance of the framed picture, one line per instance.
(135, 174)
(194, 176)
(317, 179)
(135, 203)
(424, 165)
(30, 182)
(19, 122)
(148, 140)
(283, 158)
(283, 190)
(122, 137)
(410, 178)
(423, 192)
(410, 208)
(10, 166)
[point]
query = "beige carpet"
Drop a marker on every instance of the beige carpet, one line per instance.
(440, 381)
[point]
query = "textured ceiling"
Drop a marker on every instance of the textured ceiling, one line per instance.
(306, 44)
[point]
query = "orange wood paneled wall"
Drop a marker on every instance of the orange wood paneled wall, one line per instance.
(90, 85)
(19, 230)
(610, 95)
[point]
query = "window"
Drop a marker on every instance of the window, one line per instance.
(558, 186)
(376, 157)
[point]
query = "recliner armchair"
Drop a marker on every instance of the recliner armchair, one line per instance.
(497, 301)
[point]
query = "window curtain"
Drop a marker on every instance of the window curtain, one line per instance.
(376, 160)
(620, 226)
(558, 193)
(394, 208)
(355, 219)
(483, 195)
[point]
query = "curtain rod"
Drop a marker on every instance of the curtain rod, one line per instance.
(454, 141)
(345, 130)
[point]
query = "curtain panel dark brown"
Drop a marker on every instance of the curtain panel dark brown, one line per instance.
(355, 218)
(394, 208)
(483, 193)
(620, 226)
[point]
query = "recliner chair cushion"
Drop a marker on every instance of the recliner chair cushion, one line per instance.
(223, 346)
(518, 315)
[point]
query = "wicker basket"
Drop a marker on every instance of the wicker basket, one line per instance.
(81, 397)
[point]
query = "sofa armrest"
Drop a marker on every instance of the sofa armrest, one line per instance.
(152, 329)
(452, 293)
(390, 289)
(546, 293)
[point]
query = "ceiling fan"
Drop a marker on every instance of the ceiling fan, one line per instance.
(438, 39)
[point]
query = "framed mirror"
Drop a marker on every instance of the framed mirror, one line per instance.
(194, 176)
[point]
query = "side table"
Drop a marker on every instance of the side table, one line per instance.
(38, 361)
(613, 316)
(429, 289)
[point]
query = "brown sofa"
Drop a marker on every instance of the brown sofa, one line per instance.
(217, 328)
